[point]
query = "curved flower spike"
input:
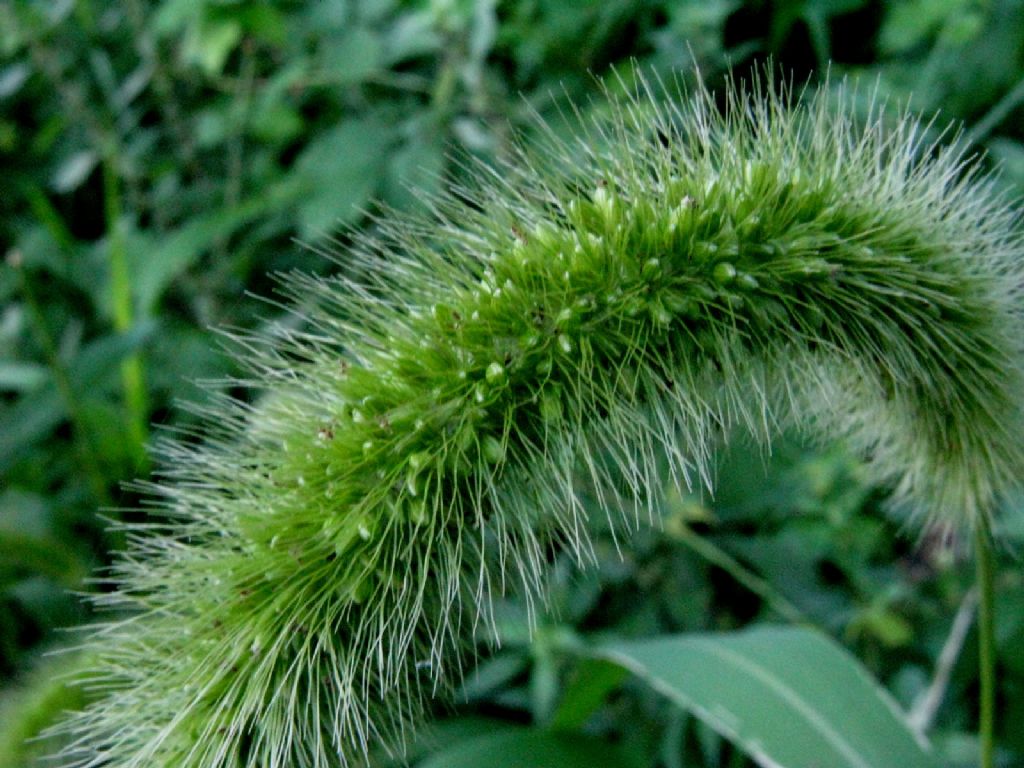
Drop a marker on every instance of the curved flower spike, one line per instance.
(580, 312)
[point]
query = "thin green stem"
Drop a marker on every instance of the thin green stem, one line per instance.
(743, 575)
(120, 287)
(986, 642)
(444, 86)
(1010, 101)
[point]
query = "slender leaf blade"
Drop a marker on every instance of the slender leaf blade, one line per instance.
(789, 697)
(529, 748)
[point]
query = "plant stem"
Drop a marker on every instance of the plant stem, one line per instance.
(120, 289)
(986, 642)
(922, 713)
(996, 115)
(743, 575)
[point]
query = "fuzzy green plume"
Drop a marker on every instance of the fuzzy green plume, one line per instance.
(549, 335)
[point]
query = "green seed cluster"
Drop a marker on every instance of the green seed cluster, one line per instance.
(549, 335)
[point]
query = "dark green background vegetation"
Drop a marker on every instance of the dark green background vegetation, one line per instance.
(161, 160)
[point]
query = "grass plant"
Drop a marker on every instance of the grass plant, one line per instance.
(421, 439)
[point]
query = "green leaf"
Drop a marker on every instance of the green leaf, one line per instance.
(528, 748)
(412, 34)
(440, 734)
(262, 21)
(33, 544)
(342, 170)
(36, 414)
(74, 170)
(21, 377)
(907, 25)
(173, 15)
(491, 675)
(12, 77)
(208, 43)
(414, 172)
(1008, 157)
(51, 558)
(47, 604)
(27, 514)
(586, 692)
(156, 260)
(355, 56)
(788, 697)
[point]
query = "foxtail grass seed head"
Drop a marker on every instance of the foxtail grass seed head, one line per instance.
(582, 311)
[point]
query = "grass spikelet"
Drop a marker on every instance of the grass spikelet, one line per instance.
(424, 440)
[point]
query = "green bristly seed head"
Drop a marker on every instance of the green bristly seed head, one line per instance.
(584, 311)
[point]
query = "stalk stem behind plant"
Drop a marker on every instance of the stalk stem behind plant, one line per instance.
(132, 376)
(986, 643)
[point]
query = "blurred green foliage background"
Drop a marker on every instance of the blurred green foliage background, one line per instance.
(162, 159)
